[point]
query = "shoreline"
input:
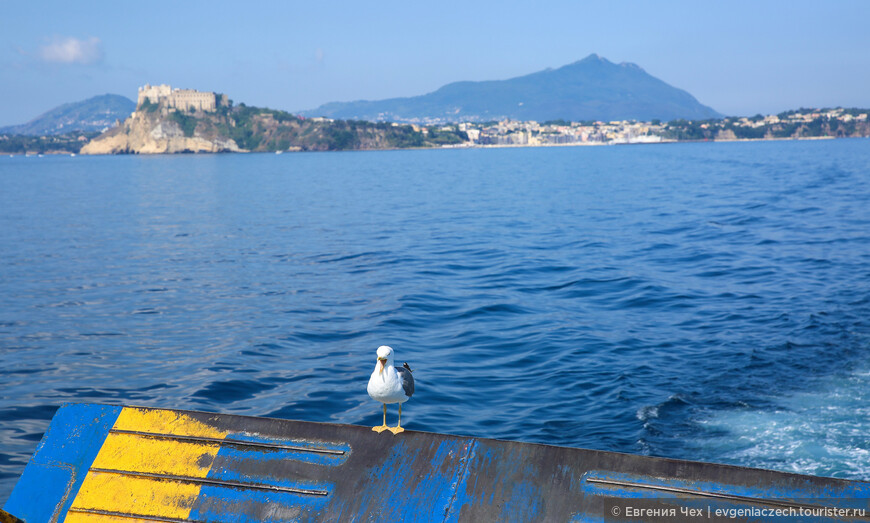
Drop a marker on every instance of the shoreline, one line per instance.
(443, 147)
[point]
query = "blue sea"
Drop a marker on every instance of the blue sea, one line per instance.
(698, 301)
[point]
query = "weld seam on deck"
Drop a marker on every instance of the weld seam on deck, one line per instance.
(227, 441)
(99, 512)
(461, 476)
(704, 493)
(215, 482)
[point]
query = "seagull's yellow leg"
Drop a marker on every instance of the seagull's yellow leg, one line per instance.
(398, 428)
(384, 427)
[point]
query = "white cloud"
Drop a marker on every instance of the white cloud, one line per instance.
(73, 51)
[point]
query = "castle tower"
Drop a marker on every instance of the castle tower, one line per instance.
(153, 93)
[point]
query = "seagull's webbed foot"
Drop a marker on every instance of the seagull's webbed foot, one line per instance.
(398, 428)
(381, 428)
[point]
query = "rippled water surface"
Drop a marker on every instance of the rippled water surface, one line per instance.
(698, 301)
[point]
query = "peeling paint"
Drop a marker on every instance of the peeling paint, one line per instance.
(193, 466)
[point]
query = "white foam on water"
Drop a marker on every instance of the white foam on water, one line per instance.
(647, 412)
(823, 431)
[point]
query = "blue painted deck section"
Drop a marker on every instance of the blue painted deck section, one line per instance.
(56, 471)
(349, 473)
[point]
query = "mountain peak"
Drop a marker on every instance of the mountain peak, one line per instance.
(593, 88)
(594, 58)
(597, 59)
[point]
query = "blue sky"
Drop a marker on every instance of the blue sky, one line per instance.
(739, 57)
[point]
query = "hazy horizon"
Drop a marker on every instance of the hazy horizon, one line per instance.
(740, 58)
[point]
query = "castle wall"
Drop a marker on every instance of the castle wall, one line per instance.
(182, 99)
(186, 99)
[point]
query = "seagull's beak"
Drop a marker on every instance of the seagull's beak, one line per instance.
(383, 362)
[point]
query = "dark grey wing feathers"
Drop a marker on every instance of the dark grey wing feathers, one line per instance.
(407, 381)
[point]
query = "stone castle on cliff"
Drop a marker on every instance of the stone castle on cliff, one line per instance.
(181, 99)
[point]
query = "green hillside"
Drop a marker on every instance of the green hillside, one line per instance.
(159, 129)
(94, 114)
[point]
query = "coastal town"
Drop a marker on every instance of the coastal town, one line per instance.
(800, 124)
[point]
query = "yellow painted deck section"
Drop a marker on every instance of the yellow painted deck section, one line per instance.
(78, 517)
(164, 422)
(134, 453)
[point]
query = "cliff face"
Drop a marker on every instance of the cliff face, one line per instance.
(155, 133)
(157, 129)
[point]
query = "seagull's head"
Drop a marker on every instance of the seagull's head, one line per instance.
(385, 357)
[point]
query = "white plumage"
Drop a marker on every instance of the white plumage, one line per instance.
(388, 384)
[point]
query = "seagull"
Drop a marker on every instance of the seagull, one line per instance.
(390, 385)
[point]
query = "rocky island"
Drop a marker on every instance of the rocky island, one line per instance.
(170, 120)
